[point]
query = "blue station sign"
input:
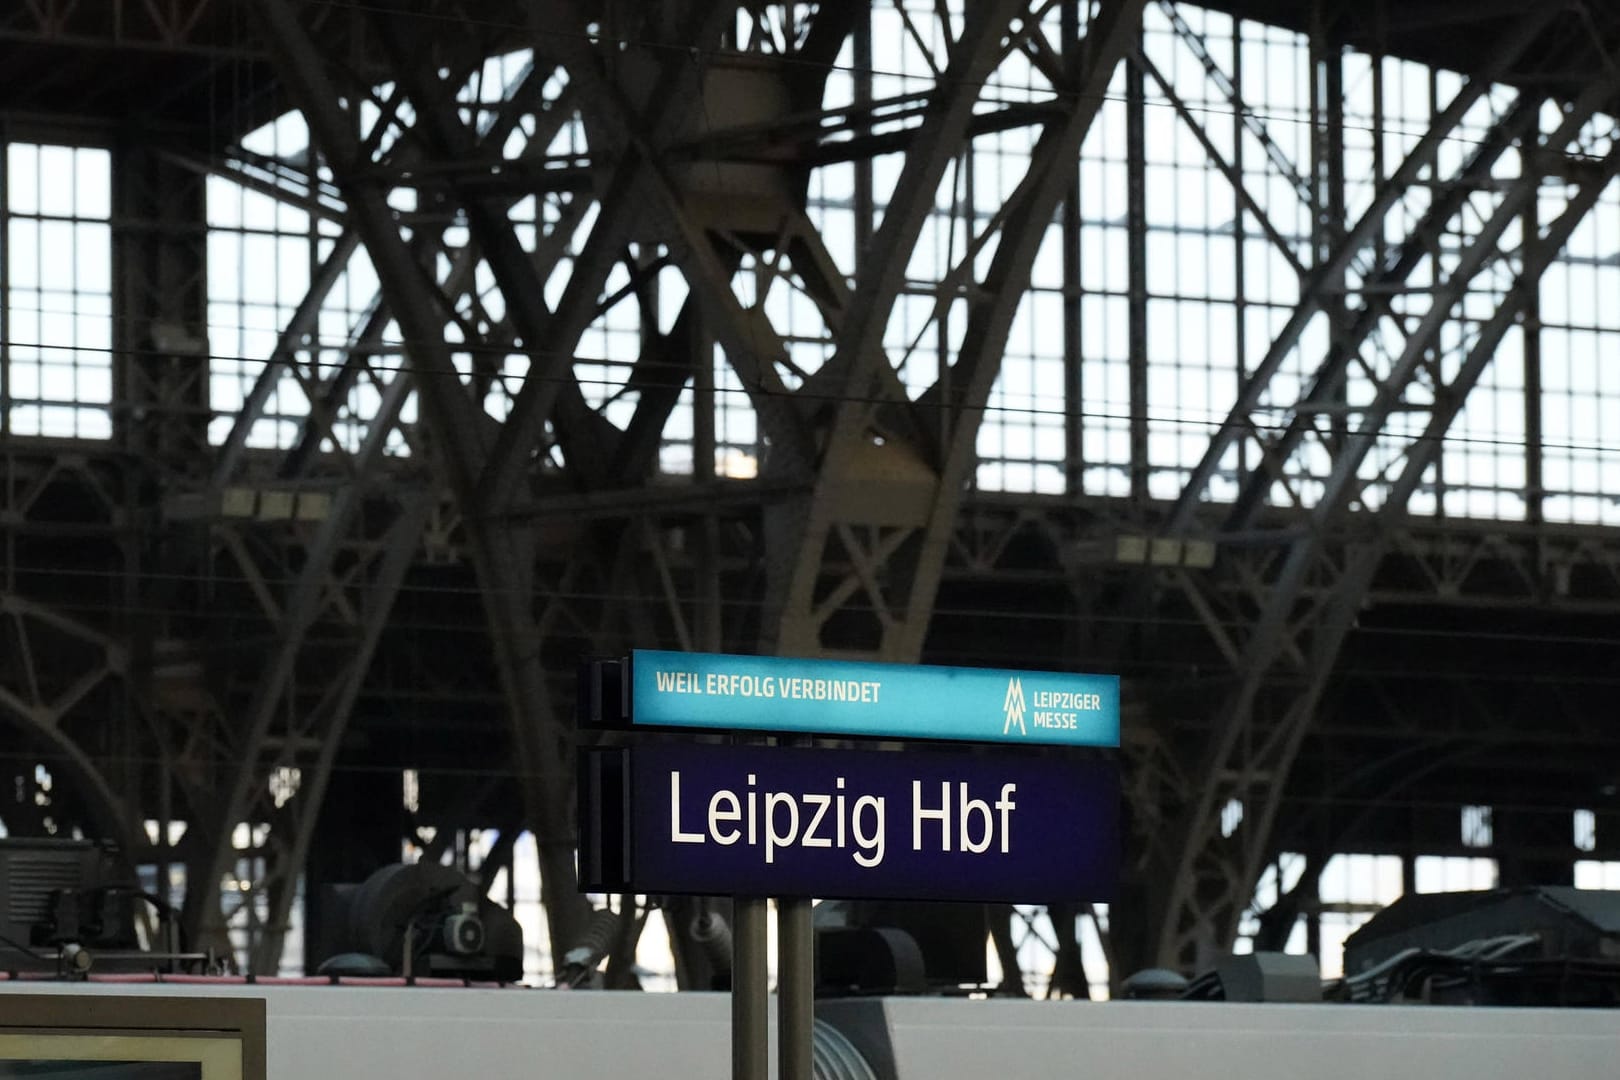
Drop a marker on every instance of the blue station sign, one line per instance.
(773, 821)
(837, 698)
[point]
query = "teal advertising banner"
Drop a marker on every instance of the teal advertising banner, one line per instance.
(837, 698)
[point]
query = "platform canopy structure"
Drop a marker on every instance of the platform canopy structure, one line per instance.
(363, 365)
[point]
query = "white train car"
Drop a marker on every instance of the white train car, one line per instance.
(371, 1032)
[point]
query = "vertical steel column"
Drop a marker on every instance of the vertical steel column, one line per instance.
(750, 994)
(1333, 223)
(160, 311)
(708, 622)
(1380, 166)
(5, 279)
(703, 401)
(1240, 294)
(1534, 482)
(1327, 195)
(1074, 388)
(1136, 249)
(1313, 921)
(795, 976)
(1431, 358)
(862, 40)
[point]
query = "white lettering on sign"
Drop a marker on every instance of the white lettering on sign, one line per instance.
(1053, 710)
(1065, 700)
(784, 814)
(729, 684)
(829, 690)
(677, 682)
(725, 838)
(967, 809)
(775, 821)
(675, 834)
(723, 684)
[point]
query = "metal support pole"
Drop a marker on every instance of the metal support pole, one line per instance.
(1329, 230)
(795, 977)
(795, 988)
(1534, 481)
(862, 76)
(1240, 296)
(750, 1015)
(1136, 272)
(1073, 343)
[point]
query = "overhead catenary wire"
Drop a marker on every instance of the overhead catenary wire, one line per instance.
(418, 624)
(532, 353)
(504, 770)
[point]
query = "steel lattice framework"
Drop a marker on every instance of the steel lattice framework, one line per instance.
(693, 323)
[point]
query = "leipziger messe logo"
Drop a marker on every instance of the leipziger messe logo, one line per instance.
(1014, 706)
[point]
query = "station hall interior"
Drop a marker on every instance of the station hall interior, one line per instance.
(371, 369)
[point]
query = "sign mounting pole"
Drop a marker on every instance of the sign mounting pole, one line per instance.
(795, 988)
(795, 980)
(750, 994)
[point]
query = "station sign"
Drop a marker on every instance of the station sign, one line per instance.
(837, 698)
(786, 822)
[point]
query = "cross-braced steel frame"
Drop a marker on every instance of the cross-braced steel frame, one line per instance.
(654, 167)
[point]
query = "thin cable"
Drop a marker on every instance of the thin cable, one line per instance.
(501, 768)
(531, 353)
(326, 636)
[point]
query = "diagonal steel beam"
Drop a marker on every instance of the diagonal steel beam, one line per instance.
(937, 143)
(1378, 297)
(550, 337)
(850, 377)
(293, 335)
(1356, 579)
(44, 718)
(502, 553)
(1330, 622)
(666, 364)
(953, 408)
(677, 81)
(331, 717)
(1481, 249)
(305, 598)
(1227, 169)
(1317, 290)
(960, 400)
(752, 346)
(1252, 121)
